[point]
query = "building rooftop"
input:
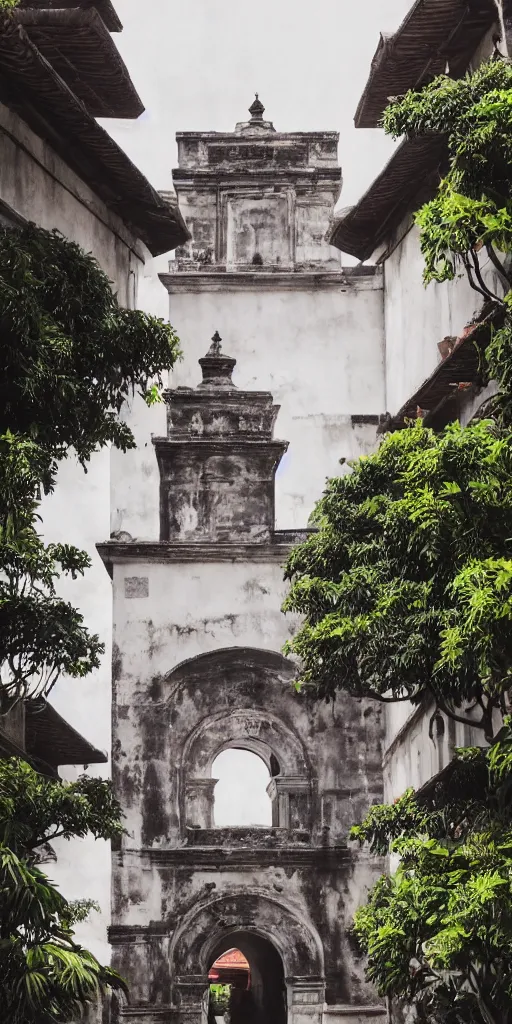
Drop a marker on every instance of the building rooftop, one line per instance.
(35, 90)
(415, 164)
(103, 7)
(435, 36)
(49, 741)
(78, 45)
(437, 399)
(48, 737)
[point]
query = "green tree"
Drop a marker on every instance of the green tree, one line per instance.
(405, 593)
(46, 977)
(405, 590)
(70, 357)
(438, 932)
(467, 226)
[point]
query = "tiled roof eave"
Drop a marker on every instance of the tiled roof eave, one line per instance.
(51, 738)
(81, 50)
(462, 368)
(34, 90)
(434, 33)
(104, 8)
(369, 223)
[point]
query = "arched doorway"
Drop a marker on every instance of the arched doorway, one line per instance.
(260, 997)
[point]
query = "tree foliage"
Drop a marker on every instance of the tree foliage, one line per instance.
(70, 357)
(41, 635)
(438, 932)
(406, 594)
(470, 216)
(46, 977)
(467, 225)
(406, 588)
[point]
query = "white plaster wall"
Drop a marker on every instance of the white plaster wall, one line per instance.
(417, 317)
(195, 608)
(321, 354)
(38, 186)
(414, 756)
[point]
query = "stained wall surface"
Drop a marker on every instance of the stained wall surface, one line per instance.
(36, 185)
(197, 561)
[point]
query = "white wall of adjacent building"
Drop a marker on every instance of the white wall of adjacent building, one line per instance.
(417, 317)
(37, 185)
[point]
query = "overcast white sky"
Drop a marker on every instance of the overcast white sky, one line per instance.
(198, 63)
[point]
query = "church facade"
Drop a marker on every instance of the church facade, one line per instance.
(198, 627)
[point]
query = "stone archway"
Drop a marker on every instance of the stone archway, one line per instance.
(266, 1000)
(282, 944)
(247, 721)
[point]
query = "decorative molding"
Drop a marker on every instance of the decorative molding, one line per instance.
(321, 858)
(365, 418)
(151, 1014)
(241, 280)
(220, 445)
(127, 552)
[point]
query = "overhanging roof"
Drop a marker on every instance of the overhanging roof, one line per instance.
(103, 7)
(368, 224)
(433, 33)
(30, 86)
(80, 48)
(49, 738)
(461, 369)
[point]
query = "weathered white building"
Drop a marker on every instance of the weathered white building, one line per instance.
(431, 333)
(198, 587)
(197, 521)
(59, 70)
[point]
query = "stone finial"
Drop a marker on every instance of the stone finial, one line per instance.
(215, 347)
(256, 126)
(257, 109)
(217, 368)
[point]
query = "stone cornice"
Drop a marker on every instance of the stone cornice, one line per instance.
(118, 552)
(331, 136)
(230, 280)
(221, 445)
(162, 1014)
(232, 177)
(322, 858)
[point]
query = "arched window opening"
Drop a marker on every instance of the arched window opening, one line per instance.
(240, 797)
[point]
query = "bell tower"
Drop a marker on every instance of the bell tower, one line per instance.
(198, 590)
(258, 203)
(257, 198)
(218, 462)
(198, 670)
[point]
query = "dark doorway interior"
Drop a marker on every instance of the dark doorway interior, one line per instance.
(261, 997)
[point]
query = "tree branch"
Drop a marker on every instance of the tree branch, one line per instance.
(498, 265)
(478, 272)
(467, 266)
(441, 706)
